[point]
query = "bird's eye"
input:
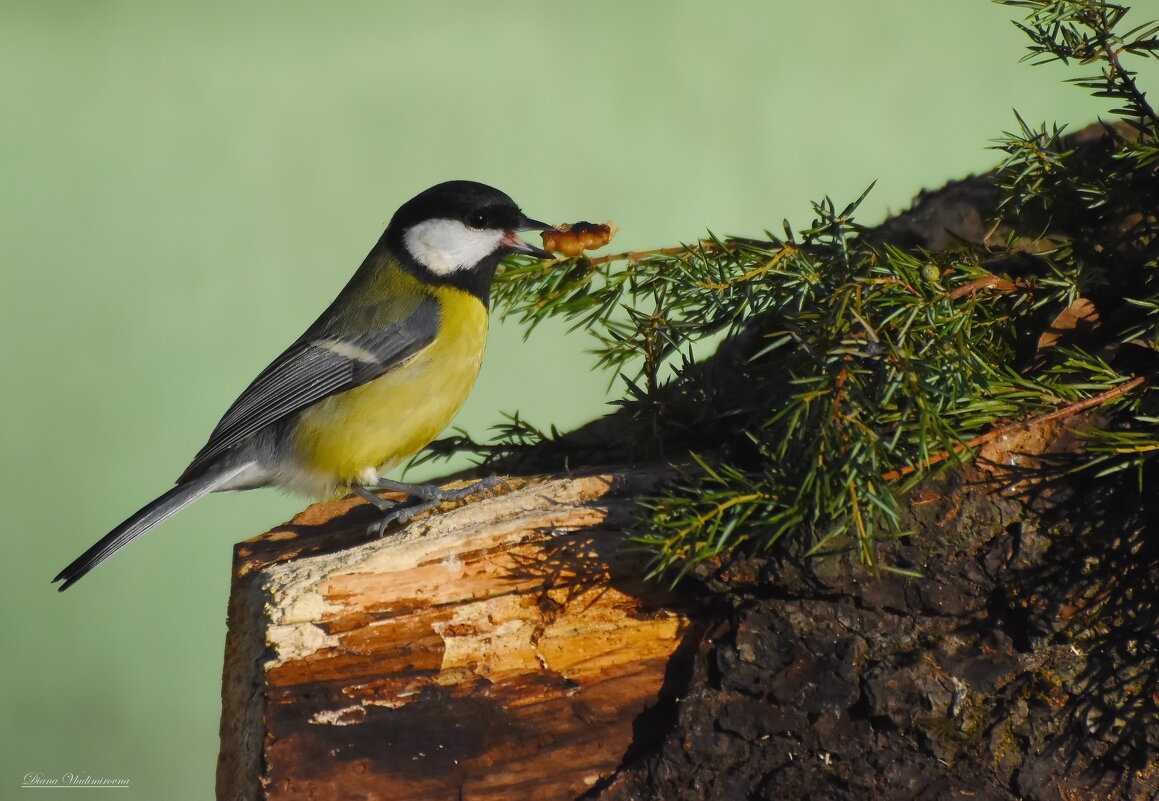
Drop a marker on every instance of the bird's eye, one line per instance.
(477, 219)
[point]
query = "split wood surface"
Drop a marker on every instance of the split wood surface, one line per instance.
(503, 649)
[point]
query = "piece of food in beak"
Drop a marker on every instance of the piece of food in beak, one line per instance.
(571, 239)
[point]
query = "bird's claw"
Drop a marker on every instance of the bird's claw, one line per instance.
(487, 487)
(405, 511)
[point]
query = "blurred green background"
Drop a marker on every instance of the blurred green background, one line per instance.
(186, 186)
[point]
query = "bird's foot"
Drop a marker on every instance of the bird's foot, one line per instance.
(485, 487)
(423, 498)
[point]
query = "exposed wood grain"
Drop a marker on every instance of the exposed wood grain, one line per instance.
(503, 649)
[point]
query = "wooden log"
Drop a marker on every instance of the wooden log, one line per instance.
(503, 649)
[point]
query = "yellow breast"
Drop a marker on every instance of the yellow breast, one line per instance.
(352, 436)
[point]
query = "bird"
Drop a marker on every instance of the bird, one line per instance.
(372, 381)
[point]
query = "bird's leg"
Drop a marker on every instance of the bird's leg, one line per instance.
(371, 498)
(423, 497)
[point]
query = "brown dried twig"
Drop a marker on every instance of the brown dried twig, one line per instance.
(1058, 414)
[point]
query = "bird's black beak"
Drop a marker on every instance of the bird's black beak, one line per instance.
(515, 244)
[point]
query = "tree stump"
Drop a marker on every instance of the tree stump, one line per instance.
(504, 649)
(509, 648)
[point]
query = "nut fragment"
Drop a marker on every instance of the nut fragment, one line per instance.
(571, 239)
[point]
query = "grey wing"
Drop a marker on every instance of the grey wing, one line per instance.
(314, 367)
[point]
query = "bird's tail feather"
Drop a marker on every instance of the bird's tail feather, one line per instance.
(148, 516)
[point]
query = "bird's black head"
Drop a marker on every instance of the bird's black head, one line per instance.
(456, 232)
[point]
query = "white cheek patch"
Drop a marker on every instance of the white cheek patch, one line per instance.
(443, 246)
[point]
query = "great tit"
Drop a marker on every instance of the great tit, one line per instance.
(377, 376)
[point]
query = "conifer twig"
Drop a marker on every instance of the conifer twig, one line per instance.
(849, 363)
(633, 256)
(1001, 431)
(987, 282)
